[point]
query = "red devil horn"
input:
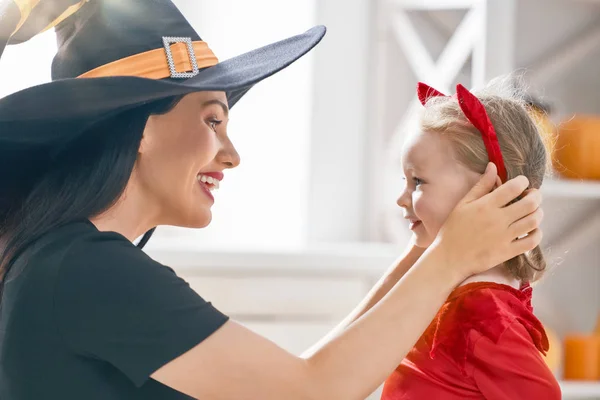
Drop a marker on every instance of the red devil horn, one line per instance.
(476, 114)
(425, 92)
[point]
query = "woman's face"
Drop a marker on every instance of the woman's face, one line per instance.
(182, 158)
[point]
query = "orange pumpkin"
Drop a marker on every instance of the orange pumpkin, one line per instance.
(577, 150)
(582, 357)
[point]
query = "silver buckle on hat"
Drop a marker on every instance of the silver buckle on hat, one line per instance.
(167, 42)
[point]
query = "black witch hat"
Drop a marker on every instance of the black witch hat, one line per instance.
(114, 55)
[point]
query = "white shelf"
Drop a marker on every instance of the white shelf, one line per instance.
(571, 188)
(362, 259)
(580, 390)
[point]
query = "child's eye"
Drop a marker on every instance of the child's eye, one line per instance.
(417, 181)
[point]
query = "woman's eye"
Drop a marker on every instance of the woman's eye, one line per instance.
(214, 123)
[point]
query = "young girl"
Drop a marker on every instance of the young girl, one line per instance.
(485, 342)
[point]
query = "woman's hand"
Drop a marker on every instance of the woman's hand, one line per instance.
(482, 230)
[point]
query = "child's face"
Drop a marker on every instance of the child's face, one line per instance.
(435, 183)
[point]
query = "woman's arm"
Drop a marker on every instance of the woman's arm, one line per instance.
(393, 274)
(235, 363)
(389, 279)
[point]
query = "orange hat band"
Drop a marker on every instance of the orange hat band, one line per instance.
(180, 58)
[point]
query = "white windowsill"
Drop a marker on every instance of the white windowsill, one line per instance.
(571, 188)
(335, 259)
(580, 390)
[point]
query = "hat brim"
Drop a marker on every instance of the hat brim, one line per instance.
(78, 101)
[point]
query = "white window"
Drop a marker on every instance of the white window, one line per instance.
(264, 202)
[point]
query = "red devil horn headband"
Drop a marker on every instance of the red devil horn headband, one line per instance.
(476, 114)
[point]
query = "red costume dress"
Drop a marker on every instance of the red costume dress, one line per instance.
(485, 343)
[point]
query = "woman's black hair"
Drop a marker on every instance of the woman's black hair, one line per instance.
(83, 180)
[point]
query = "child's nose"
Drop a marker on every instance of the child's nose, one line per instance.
(404, 200)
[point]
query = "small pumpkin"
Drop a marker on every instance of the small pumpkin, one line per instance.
(577, 150)
(582, 357)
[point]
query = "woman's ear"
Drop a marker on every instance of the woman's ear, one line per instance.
(147, 135)
(143, 145)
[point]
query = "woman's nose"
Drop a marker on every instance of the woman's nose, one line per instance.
(228, 156)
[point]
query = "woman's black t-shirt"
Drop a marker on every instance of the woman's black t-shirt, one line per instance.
(86, 315)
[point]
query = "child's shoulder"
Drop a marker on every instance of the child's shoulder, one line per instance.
(483, 309)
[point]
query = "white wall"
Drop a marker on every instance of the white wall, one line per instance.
(544, 27)
(27, 64)
(341, 124)
(264, 201)
(315, 143)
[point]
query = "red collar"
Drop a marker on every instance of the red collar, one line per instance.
(488, 308)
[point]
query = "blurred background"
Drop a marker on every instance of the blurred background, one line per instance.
(308, 222)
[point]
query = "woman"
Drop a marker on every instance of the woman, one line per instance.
(123, 141)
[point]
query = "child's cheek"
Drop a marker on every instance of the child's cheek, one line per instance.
(421, 206)
(425, 210)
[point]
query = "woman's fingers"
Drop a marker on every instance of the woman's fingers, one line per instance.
(483, 186)
(527, 224)
(509, 191)
(482, 231)
(527, 243)
(530, 202)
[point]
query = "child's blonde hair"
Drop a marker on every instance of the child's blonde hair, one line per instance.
(522, 146)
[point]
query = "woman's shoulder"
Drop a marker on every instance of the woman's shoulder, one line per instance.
(97, 266)
(76, 261)
(77, 252)
(90, 252)
(73, 235)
